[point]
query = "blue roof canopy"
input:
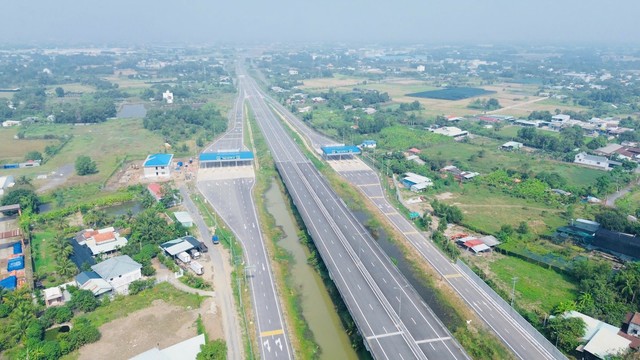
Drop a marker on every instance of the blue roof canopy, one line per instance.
(341, 150)
(158, 160)
(226, 156)
(9, 283)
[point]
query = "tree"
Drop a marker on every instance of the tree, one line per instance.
(213, 350)
(59, 92)
(567, 331)
(33, 155)
(523, 228)
(84, 300)
(85, 166)
(27, 199)
(66, 268)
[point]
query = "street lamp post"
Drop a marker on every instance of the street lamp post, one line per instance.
(513, 290)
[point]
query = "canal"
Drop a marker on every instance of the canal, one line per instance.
(317, 307)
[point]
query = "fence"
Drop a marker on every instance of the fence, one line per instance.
(524, 324)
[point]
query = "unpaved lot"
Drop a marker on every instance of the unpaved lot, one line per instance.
(160, 325)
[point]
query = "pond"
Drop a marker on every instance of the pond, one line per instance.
(52, 334)
(121, 209)
(131, 111)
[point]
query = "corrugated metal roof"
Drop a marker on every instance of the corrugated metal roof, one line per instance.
(226, 156)
(341, 150)
(116, 266)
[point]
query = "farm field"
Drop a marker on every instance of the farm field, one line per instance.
(106, 143)
(338, 80)
(14, 150)
(460, 153)
(455, 93)
(487, 210)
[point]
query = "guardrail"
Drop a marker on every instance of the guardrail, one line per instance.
(535, 334)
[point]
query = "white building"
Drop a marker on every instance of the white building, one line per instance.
(10, 123)
(168, 96)
(293, 72)
(451, 131)
(186, 350)
(6, 182)
(599, 162)
(415, 182)
(157, 165)
(184, 218)
(560, 118)
(119, 272)
(421, 68)
(512, 145)
(370, 111)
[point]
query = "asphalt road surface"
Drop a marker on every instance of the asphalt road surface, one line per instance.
(520, 340)
(229, 191)
(391, 316)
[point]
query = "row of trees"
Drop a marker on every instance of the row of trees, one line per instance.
(95, 109)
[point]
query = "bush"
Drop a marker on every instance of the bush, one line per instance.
(85, 166)
(195, 282)
(139, 285)
(84, 300)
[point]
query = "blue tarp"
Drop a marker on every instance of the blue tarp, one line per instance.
(16, 264)
(17, 248)
(9, 283)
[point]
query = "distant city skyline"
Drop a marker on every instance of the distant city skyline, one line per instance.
(252, 21)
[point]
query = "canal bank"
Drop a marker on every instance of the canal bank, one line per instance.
(316, 304)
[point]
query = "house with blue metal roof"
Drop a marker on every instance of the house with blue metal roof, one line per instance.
(158, 165)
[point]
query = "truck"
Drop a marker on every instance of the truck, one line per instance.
(203, 247)
(184, 257)
(195, 254)
(196, 267)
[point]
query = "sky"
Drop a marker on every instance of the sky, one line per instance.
(139, 22)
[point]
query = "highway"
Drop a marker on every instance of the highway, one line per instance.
(229, 190)
(519, 338)
(391, 317)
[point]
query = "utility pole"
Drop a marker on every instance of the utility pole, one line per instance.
(513, 290)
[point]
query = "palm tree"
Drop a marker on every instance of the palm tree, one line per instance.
(66, 268)
(628, 287)
(585, 300)
(21, 318)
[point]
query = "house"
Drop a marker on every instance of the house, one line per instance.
(10, 123)
(176, 246)
(318, 99)
(155, 190)
(168, 96)
(608, 150)
(451, 131)
(90, 280)
(184, 218)
(414, 151)
(370, 111)
(415, 182)
(6, 182)
(529, 123)
(369, 144)
(459, 174)
(601, 339)
(560, 118)
(305, 109)
(119, 272)
(293, 72)
(101, 242)
(511, 145)
(186, 350)
(157, 165)
(476, 245)
(599, 162)
(420, 68)
(53, 296)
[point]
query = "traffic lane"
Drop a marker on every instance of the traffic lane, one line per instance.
(348, 279)
(389, 279)
(231, 200)
(492, 315)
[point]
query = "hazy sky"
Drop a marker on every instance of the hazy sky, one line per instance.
(424, 21)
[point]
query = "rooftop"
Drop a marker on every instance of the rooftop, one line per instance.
(226, 156)
(116, 266)
(341, 150)
(183, 216)
(175, 247)
(606, 343)
(186, 350)
(158, 160)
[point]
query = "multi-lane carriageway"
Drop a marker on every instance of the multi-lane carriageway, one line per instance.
(392, 318)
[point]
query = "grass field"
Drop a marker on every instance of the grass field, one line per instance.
(106, 143)
(536, 287)
(512, 131)
(493, 158)
(124, 305)
(74, 87)
(13, 150)
(488, 210)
